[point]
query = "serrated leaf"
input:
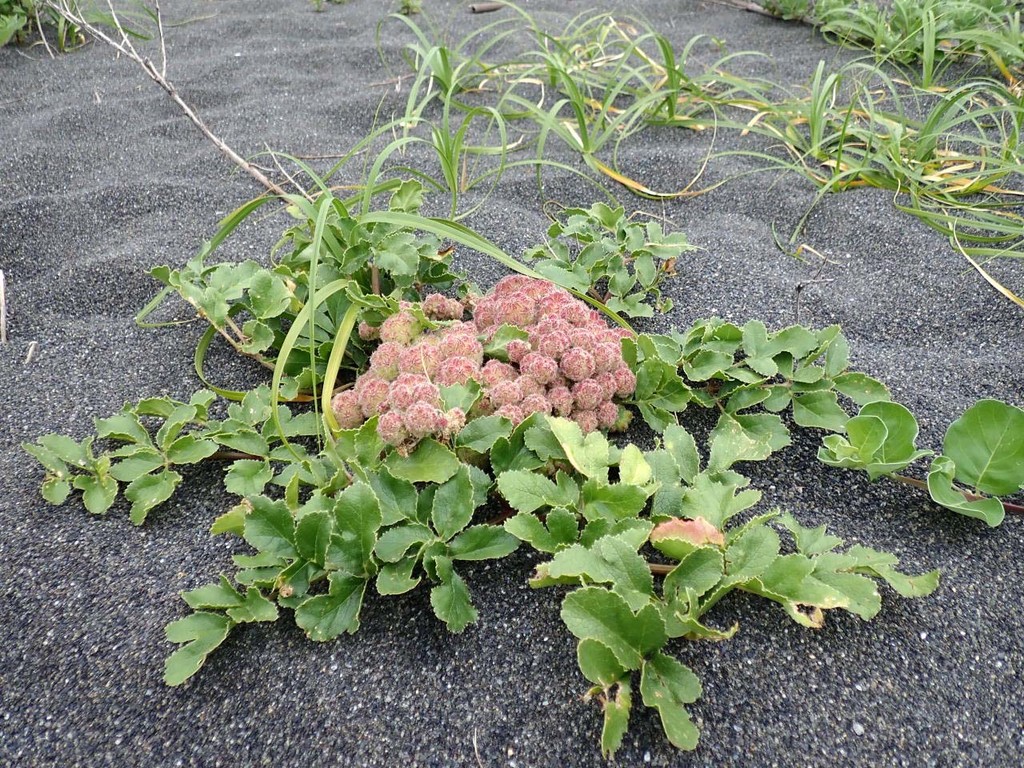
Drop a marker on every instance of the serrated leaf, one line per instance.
(482, 542)
(268, 295)
(609, 560)
(598, 664)
(254, 607)
(431, 462)
(324, 617)
(617, 707)
(64, 448)
(746, 437)
(809, 541)
(751, 553)
(201, 632)
(681, 446)
(819, 409)
(356, 521)
(270, 528)
(612, 502)
(986, 445)
(397, 497)
(598, 614)
(667, 685)
(232, 521)
(219, 595)
(55, 490)
(698, 572)
(453, 504)
(451, 600)
(716, 500)
(941, 489)
(861, 388)
(98, 493)
(188, 449)
(137, 464)
(149, 491)
(394, 543)
(397, 578)
(633, 467)
(479, 435)
(528, 491)
(123, 426)
(248, 477)
(313, 535)
(589, 455)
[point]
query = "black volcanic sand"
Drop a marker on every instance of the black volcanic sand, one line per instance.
(101, 178)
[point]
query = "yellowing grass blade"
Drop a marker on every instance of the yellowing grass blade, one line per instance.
(988, 278)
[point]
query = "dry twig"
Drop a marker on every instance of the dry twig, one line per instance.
(122, 43)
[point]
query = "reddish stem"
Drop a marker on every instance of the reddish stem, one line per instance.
(1007, 505)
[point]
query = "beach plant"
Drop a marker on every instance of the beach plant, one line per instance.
(390, 482)
(407, 429)
(618, 261)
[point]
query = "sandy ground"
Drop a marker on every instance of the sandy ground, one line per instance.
(101, 178)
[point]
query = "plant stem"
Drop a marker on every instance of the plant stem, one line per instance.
(234, 456)
(1008, 506)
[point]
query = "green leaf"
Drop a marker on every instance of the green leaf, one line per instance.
(125, 427)
(751, 553)
(356, 521)
(268, 295)
(397, 578)
(98, 493)
(65, 449)
(188, 449)
(861, 388)
(148, 491)
(819, 409)
(612, 502)
(201, 632)
(746, 437)
(269, 527)
(561, 528)
(55, 490)
(453, 504)
(480, 435)
(882, 565)
(880, 440)
(987, 446)
(482, 542)
(248, 477)
(232, 521)
(667, 685)
(616, 718)
(598, 614)
(313, 535)
(219, 595)
(590, 455)
(699, 572)
(716, 499)
(528, 491)
(609, 560)
(598, 664)
(633, 467)
(137, 464)
(431, 462)
(809, 541)
(942, 491)
(397, 497)
(680, 444)
(450, 599)
(324, 617)
(253, 607)
(394, 544)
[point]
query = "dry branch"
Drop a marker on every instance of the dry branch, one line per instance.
(121, 42)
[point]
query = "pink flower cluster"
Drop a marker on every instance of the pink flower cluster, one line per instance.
(570, 364)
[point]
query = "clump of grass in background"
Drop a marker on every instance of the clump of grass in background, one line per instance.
(19, 19)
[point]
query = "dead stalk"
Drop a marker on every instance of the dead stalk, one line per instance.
(122, 43)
